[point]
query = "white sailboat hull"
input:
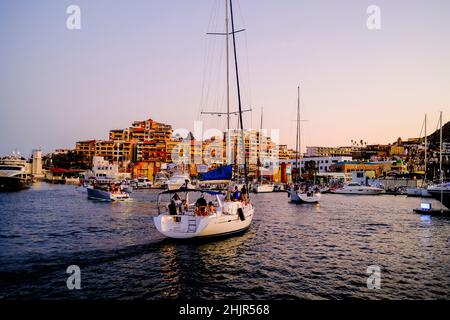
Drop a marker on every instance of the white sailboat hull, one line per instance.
(188, 226)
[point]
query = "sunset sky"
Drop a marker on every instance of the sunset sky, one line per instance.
(134, 60)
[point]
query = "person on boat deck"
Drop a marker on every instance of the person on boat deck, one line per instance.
(236, 194)
(172, 208)
(211, 207)
(243, 195)
(176, 198)
(242, 198)
(201, 205)
(185, 205)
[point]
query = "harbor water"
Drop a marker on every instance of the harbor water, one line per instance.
(290, 251)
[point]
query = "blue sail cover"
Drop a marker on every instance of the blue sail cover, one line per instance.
(220, 173)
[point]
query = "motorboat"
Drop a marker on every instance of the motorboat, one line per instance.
(217, 217)
(126, 187)
(14, 175)
(356, 188)
(310, 196)
(105, 193)
(263, 188)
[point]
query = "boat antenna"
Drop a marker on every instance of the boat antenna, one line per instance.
(260, 143)
(425, 178)
(297, 141)
(241, 124)
(440, 163)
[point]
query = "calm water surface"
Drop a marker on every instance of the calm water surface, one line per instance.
(290, 252)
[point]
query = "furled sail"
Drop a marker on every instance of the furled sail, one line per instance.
(220, 173)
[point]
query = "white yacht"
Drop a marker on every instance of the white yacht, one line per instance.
(14, 174)
(356, 188)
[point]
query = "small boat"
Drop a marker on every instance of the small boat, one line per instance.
(263, 188)
(304, 197)
(356, 188)
(183, 220)
(142, 183)
(160, 181)
(125, 187)
(102, 193)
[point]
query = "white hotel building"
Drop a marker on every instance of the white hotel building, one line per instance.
(323, 163)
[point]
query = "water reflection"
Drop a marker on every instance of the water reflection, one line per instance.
(290, 251)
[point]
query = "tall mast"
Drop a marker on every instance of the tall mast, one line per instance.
(425, 178)
(227, 36)
(241, 123)
(260, 143)
(299, 131)
(296, 135)
(440, 162)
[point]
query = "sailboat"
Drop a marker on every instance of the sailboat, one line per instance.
(295, 193)
(422, 191)
(441, 191)
(262, 187)
(181, 219)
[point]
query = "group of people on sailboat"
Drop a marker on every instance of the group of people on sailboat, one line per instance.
(180, 206)
(236, 195)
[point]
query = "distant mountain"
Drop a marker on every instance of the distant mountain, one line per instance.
(433, 139)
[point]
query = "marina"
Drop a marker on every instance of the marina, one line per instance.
(164, 165)
(317, 251)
